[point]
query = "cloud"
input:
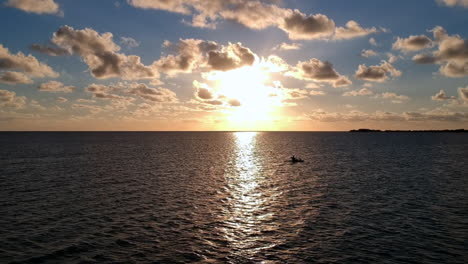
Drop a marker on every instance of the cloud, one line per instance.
(395, 98)
(27, 64)
(51, 51)
(441, 96)
(100, 53)
(412, 43)
(368, 53)
(462, 3)
(192, 54)
(255, 14)
(62, 99)
(231, 57)
(318, 71)
(452, 53)
(463, 92)
(361, 92)
(234, 102)
(373, 42)
(301, 26)
(296, 94)
(129, 42)
(454, 69)
(288, 46)
(9, 77)
(252, 14)
(392, 58)
(203, 91)
(161, 95)
(358, 116)
(9, 99)
(376, 73)
(55, 87)
(36, 6)
(352, 29)
(189, 55)
(100, 91)
(342, 81)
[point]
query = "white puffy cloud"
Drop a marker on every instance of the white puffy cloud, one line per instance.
(9, 77)
(27, 64)
(368, 53)
(352, 29)
(288, 46)
(318, 71)
(129, 42)
(412, 43)
(393, 97)
(10, 99)
(373, 42)
(452, 53)
(55, 87)
(36, 6)
(362, 92)
(441, 96)
(462, 3)
(376, 73)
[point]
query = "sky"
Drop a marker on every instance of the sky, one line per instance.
(198, 65)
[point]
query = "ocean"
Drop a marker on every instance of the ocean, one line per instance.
(233, 197)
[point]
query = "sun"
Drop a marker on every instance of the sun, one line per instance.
(248, 86)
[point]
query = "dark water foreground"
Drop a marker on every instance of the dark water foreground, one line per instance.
(232, 198)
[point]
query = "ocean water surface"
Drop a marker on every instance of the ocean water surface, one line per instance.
(222, 197)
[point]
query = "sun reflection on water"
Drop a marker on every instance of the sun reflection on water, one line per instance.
(248, 202)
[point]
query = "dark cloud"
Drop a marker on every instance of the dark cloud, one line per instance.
(301, 26)
(376, 73)
(189, 55)
(51, 51)
(319, 71)
(231, 57)
(204, 93)
(452, 53)
(257, 14)
(412, 43)
(14, 78)
(100, 53)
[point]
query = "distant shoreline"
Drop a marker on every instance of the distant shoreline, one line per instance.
(364, 130)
